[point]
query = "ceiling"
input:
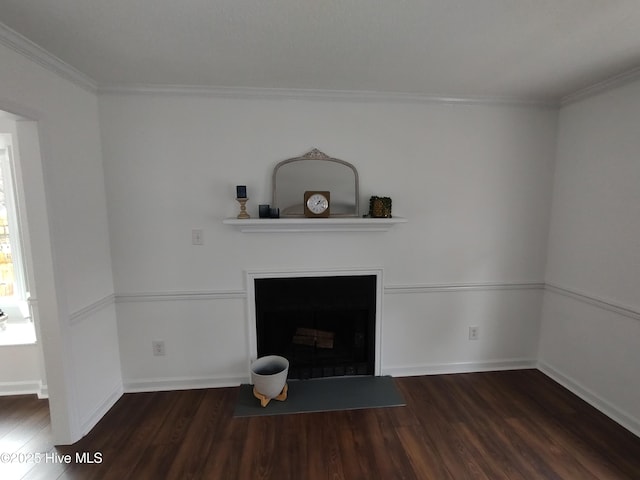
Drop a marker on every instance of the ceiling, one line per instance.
(538, 50)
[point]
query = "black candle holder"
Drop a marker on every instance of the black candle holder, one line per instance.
(264, 211)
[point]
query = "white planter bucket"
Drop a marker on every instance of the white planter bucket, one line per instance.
(269, 375)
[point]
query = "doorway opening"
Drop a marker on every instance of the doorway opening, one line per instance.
(16, 324)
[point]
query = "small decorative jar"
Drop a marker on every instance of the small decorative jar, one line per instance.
(380, 207)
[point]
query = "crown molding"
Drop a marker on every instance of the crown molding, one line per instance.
(22, 45)
(314, 94)
(34, 52)
(601, 87)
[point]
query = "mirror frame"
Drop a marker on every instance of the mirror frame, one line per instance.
(316, 155)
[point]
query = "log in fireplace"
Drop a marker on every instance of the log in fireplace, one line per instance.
(325, 326)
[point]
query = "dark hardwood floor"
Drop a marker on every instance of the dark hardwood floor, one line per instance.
(499, 425)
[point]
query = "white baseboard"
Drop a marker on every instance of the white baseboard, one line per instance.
(26, 387)
(460, 367)
(182, 383)
(188, 383)
(593, 399)
(43, 390)
(100, 411)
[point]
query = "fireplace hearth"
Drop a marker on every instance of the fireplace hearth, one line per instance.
(325, 326)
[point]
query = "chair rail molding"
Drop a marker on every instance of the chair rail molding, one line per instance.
(602, 303)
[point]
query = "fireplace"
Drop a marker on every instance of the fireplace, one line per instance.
(326, 325)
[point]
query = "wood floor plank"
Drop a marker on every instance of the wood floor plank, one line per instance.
(15, 409)
(424, 458)
(396, 451)
(524, 458)
(601, 444)
(384, 458)
(292, 438)
(517, 425)
(495, 457)
(191, 455)
(225, 457)
(347, 441)
(137, 431)
(551, 450)
(23, 433)
(321, 454)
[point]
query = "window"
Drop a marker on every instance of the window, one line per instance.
(16, 326)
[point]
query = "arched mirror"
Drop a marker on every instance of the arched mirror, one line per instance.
(315, 171)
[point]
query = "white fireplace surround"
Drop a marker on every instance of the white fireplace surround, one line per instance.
(252, 275)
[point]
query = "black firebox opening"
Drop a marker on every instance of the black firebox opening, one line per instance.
(324, 326)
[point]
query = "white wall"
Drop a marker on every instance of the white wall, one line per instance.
(66, 227)
(473, 180)
(591, 316)
(19, 369)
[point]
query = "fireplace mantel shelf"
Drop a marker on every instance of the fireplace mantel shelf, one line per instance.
(278, 225)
